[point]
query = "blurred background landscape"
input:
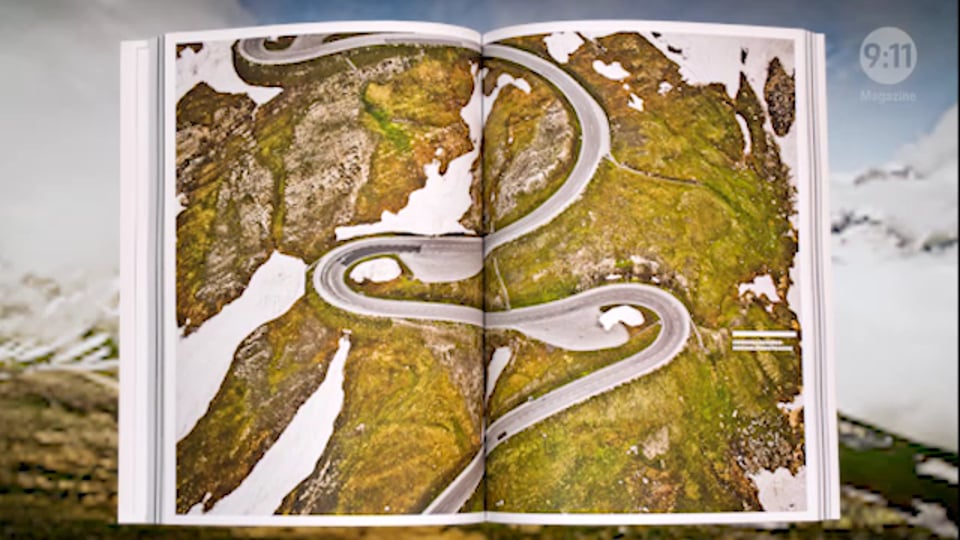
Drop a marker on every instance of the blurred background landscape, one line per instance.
(894, 222)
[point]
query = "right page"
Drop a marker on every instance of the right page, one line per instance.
(656, 342)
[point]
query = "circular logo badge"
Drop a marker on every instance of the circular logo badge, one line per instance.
(888, 55)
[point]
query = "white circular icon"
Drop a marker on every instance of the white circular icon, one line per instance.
(888, 55)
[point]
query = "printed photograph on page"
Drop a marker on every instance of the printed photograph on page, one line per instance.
(328, 266)
(642, 344)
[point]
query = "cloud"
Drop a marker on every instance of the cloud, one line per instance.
(935, 150)
(895, 283)
(59, 178)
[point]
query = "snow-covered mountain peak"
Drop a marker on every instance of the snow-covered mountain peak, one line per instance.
(906, 206)
(65, 322)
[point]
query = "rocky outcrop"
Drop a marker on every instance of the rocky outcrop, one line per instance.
(550, 149)
(223, 233)
(274, 371)
(780, 94)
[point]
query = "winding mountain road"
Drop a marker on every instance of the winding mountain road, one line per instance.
(575, 316)
(595, 144)
(309, 47)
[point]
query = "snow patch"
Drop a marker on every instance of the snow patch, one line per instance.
(204, 357)
(793, 291)
(792, 405)
(745, 131)
(938, 468)
(780, 491)
(296, 452)
(471, 111)
(636, 102)
(437, 207)
(501, 357)
(504, 80)
(761, 286)
(377, 270)
(561, 45)
(705, 59)
(179, 203)
(664, 87)
(933, 516)
(197, 509)
(614, 71)
(627, 315)
(432, 210)
(214, 65)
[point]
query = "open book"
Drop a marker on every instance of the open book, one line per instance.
(403, 273)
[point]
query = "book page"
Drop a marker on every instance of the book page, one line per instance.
(648, 267)
(323, 353)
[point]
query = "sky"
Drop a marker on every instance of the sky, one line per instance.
(59, 186)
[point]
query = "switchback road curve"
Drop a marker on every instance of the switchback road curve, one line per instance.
(329, 273)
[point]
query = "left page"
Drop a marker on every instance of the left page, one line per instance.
(322, 354)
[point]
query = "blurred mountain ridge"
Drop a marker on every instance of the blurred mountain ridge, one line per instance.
(905, 206)
(67, 322)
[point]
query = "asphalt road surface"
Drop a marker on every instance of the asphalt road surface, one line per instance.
(305, 48)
